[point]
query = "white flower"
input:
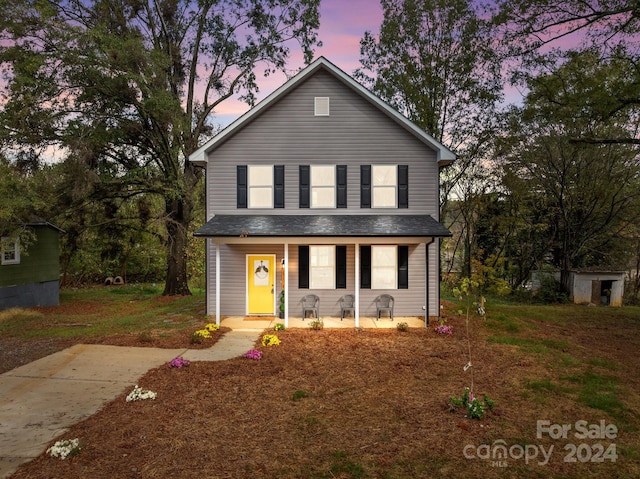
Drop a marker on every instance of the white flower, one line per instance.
(139, 394)
(63, 449)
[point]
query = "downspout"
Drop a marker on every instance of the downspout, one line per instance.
(218, 284)
(426, 284)
(357, 284)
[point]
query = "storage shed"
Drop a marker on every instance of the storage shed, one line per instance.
(605, 288)
(601, 288)
(32, 277)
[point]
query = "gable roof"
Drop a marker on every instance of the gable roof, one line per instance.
(443, 154)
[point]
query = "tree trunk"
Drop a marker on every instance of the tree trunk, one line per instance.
(179, 209)
(176, 282)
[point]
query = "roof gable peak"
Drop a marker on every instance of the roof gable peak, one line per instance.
(200, 156)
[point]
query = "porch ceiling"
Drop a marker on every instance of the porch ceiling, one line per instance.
(346, 225)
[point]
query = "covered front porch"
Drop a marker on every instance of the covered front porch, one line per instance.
(328, 322)
(260, 265)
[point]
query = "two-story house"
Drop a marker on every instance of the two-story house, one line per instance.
(322, 188)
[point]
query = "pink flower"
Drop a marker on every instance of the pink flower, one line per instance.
(253, 354)
(178, 362)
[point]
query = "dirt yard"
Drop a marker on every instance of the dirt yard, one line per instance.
(375, 404)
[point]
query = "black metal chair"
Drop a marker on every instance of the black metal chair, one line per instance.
(310, 303)
(384, 304)
(347, 304)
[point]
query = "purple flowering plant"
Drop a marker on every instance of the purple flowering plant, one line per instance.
(178, 362)
(443, 329)
(253, 354)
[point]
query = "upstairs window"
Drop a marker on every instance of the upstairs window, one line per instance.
(323, 186)
(10, 251)
(384, 180)
(384, 186)
(260, 186)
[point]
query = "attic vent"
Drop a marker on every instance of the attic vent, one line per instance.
(322, 106)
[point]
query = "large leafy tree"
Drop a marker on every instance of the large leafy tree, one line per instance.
(531, 25)
(532, 33)
(433, 61)
(126, 89)
(586, 194)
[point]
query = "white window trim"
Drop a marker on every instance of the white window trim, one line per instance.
(333, 267)
(374, 277)
(313, 187)
(6, 248)
(255, 187)
(321, 106)
(379, 187)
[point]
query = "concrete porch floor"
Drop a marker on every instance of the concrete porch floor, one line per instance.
(329, 322)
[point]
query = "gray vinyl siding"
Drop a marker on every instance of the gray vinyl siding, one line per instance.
(409, 302)
(356, 133)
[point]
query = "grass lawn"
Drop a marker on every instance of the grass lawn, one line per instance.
(106, 311)
(375, 403)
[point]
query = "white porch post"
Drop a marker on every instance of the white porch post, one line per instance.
(286, 285)
(217, 284)
(357, 283)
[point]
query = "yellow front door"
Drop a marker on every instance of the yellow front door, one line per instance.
(261, 275)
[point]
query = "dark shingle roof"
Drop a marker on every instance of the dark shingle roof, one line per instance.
(322, 225)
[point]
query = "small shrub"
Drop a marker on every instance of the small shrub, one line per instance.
(253, 354)
(299, 394)
(279, 327)
(270, 340)
(145, 337)
(211, 327)
(443, 329)
(476, 408)
(179, 362)
(550, 291)
(402, 327)
(200, 335)
(65, 448)
(316, 325)
(19, 315)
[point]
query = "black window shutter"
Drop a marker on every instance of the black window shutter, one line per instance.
(403, 267)
(403, 186)
(305, 186)
(242, 186)
(278, 186)
(341, 266)
(365, 267)
(365, 186)
(303, 267)
(341, 182)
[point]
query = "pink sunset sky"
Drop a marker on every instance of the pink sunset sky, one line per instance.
(342, 25)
